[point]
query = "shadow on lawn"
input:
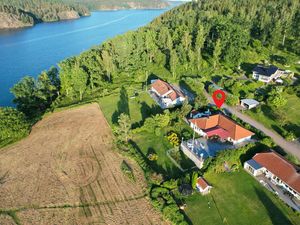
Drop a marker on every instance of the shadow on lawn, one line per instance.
(167, 172)
(123, 105)
(276, 215)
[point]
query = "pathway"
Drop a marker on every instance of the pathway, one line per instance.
(290, 147)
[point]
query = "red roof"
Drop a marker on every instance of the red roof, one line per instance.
(234, 131)
(202, 183)
(219, 131)
(279, 167)
(163, 87)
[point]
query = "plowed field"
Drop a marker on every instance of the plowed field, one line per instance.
(66, 172)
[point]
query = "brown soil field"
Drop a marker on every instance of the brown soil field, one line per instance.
(67, 172)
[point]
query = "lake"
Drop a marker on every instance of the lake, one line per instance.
(29, 51)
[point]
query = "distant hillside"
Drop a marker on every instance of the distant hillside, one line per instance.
(22, 13)
(122, 4)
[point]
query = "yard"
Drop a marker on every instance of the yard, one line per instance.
(290, 113)
(139, 107)
(237, 198)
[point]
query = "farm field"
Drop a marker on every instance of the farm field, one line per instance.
(66, 172)
(237, 198)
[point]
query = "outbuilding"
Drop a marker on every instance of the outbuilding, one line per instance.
(249, 103)
(202, 186)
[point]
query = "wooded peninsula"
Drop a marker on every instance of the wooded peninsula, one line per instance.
(17, 13)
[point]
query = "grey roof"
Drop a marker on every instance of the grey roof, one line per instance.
(250, 101)
(254, 164)
(265, 71)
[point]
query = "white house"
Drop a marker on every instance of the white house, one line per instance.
(249, 103)
(266, 74)
(166, 94)
(277, 169)
(202, 186)
(222, 127)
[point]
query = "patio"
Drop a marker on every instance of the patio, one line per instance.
(205, 148)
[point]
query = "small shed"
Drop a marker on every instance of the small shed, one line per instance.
(249, 103)
(202, 186)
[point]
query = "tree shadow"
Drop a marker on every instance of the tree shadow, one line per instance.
(279, 59)
(151, 151)
(252, 151)
(278, 129)
(187, 87)
(268, 112)
(217, 78)
(275, 214)
(146, 110)
(294, 127)
(248, 67)
(123, 105)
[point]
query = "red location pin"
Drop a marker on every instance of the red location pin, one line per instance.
(219, 97)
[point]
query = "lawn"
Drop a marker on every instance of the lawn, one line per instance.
(291, 110)
(139, 107)
(238, 199)
(150, 143)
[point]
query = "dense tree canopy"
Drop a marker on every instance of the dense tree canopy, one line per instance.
(34, 11)
(183, 42)
(13, 125)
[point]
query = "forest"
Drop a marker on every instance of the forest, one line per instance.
(35, 11)
(120, 4)
(196, 40)
(30, 12)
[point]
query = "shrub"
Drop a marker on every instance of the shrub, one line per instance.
(126, 169)
(173, 138)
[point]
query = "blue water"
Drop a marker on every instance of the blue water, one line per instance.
(31, 50)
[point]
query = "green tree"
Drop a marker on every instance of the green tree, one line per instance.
(194, 179)
(174, 61)
(200, 39)
(185, 109)
(277, 101)
(79, 80)
(124, 129)
(108, 64)
(25, 98)
(13, 125)
(217, 53)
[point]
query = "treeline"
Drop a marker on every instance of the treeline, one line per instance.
(34, 11)
(32, 98)
(120, 4)
(185, 41)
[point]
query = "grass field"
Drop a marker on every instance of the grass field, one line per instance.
(139, 107)
(237, 198)
(292, 111)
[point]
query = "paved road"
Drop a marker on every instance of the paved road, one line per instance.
(289, 147)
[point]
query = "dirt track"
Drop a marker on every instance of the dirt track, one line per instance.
(67, 163)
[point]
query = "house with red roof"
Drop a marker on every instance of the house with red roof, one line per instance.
(221, 126)
(202, 186)
(276, 169)
(167, 95)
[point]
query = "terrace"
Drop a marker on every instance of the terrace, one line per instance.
(203, 148)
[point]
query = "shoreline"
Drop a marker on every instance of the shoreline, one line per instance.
(90, 14)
